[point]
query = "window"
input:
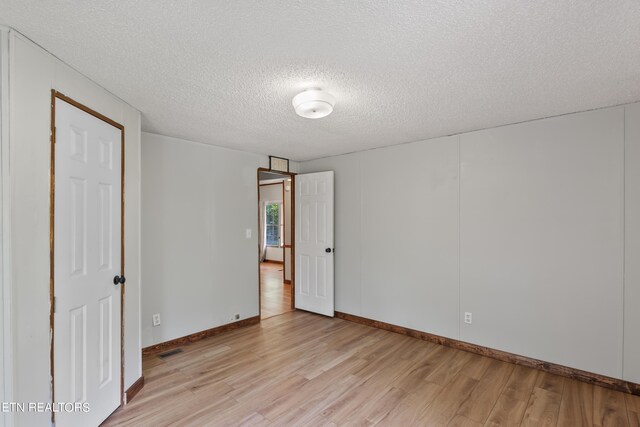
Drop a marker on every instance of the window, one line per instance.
(273, 219)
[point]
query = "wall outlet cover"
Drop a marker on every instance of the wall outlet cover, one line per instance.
(156, 319)
(468, 318)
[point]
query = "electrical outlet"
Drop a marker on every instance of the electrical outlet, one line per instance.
(247, 233)
(156, 319)
(468, 318)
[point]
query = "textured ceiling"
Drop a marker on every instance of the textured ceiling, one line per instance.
(224, 72)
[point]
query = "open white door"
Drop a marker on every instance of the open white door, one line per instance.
(87, 249)
(314, 242)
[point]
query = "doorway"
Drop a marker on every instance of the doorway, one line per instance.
(276, 242)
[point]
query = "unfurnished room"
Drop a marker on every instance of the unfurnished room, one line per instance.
(327, 213)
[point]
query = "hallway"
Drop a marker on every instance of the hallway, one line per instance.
(275, 296)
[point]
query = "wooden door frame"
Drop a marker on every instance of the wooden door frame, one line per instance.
(57, 95)
(284, 222)
(293, 237)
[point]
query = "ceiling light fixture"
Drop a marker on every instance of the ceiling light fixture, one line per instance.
(313, 103)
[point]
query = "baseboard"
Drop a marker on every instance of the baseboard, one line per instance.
(288, 282)
(134, 389)
(576, 374)
(178, 342)
(273, 261)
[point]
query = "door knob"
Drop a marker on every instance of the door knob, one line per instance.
(119, 279)
(328, 250)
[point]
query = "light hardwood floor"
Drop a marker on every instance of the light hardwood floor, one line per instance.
(275, 294)
(304, 369)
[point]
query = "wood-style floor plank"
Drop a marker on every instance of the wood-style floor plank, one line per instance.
(633, 409)
(460, 421)
(408, 411)
(301, 369)
(543, 408)
(521, 383)
(445, 406)
(507, 412)
(577, 404)
(275, 295)
(609, 408)
(483, 398)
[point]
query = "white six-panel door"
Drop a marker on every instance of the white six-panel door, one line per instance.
(87, 249)
(314, 242)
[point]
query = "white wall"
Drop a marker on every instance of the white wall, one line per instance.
(33, 73)
(396, 231)
(542, 211)
(199, 268)
(522, 225)
(632, 245)
(5, 298)
(274, 254)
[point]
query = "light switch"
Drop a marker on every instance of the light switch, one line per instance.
(248, 233)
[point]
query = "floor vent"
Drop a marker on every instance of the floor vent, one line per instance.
(169, 353)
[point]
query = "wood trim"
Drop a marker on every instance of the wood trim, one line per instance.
(293, 236)
(122, 271)
(286, 246)
(274, 262)
(284, 231)
(57, 95)
(284, 223)
(564, 371)
(86, 109)
(287, 282)
(198, 336)
(134, 389)
(293, 241)
(259, 247)
(52, 189)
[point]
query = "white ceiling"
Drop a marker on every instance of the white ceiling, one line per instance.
(224, 72)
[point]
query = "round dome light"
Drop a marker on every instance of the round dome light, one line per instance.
(313, 103)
